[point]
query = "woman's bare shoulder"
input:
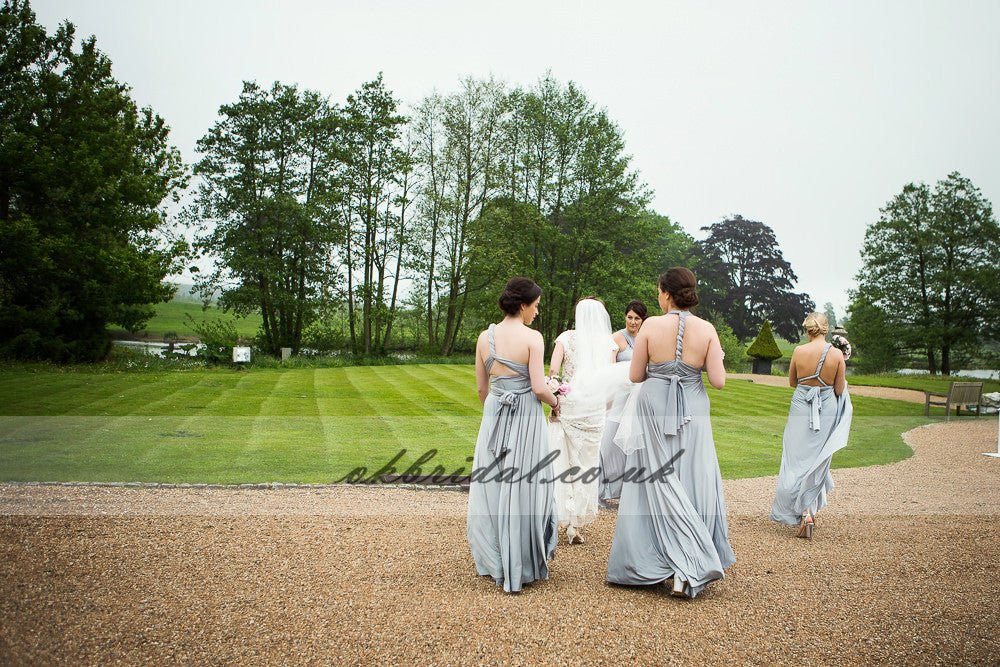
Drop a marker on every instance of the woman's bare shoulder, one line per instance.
(700, 322)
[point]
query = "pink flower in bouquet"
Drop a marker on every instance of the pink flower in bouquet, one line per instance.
(557, 386)
(841, 344)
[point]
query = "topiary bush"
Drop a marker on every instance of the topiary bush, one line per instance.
(764, 346)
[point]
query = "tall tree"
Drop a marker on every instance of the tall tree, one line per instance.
(831, 315)
(566, 158)
(751, 281)
(376, 169)
(83, 172)
(268, 203)
(460, 138)
(929, 263)
(874, 338)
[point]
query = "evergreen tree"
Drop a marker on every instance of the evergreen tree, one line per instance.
(83, 172)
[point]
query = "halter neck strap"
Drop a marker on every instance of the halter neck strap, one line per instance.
(681, 314)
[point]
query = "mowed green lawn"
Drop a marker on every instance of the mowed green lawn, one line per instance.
(320, 425)
(171, 317)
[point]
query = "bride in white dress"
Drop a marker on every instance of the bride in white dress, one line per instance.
(584, 355)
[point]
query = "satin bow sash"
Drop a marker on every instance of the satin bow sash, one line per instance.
(501, 420)
(675, 413)
(814, 398)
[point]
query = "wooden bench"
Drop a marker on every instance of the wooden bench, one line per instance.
(959, 394)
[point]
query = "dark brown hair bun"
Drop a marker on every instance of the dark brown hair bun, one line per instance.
(518, 291)
(679, 282)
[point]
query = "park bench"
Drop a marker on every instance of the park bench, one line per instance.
(959, 394)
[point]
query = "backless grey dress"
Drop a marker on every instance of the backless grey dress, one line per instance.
(672, 513)
(512, 521)
(818, 425)
(612, 461)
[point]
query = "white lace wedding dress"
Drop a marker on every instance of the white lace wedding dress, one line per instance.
(577, 437)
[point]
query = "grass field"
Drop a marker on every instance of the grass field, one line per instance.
(919, 382)
(171, 317)
(317, 425)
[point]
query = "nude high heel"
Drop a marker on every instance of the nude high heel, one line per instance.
(682, 589)
(806, 527)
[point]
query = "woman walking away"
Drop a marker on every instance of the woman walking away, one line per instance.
(819, 420)
(584, 356)
(511, 524)
(672, 514)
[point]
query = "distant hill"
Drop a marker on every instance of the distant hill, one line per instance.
(185, 293)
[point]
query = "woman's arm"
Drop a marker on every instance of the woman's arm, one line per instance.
(555, 363)
(482, 377)
(793, 373)
(620, 341)
(841, 380)
(536, 369)
(714, 367)
(640, 356)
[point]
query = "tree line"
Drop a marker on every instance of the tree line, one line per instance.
(341, 222)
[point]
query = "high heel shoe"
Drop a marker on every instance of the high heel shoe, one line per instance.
(682, 589)
(573, 536)
(806, 527)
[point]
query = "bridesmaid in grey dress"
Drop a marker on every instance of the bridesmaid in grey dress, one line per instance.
(512, 520)
(819, 420)
(612, 460)
(672, 514)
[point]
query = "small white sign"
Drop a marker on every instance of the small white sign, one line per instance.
(241, 355)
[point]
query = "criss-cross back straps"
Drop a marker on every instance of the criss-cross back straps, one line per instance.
(493, 349)
(519, 368)
(819, 367)
(681, 314)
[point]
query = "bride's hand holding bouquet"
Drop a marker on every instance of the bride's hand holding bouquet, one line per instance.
(559, 388)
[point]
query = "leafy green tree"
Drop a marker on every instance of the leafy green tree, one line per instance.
(459, 147)
(749, 280)
(377, 194)
(83, 172)
(929, 264)
(874, 340)
(268, 206)
(589, 233)
(831, 315)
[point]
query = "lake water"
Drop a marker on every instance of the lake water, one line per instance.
(978, 374)
(158, 349)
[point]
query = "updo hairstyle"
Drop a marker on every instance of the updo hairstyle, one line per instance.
(637, 307)
(679, 282)
(518, 291)
(816, 325)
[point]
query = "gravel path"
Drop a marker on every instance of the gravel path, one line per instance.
(904, 567)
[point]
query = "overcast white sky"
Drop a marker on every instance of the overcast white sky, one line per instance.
(808, 116)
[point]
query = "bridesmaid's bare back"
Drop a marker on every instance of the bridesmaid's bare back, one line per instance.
(510, 341)
(663, 342)
(806, 357)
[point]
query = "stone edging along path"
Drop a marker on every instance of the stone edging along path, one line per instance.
(263, 486)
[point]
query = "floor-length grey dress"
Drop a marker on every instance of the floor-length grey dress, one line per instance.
(512, 521)
(818, 425)
(672, 524)
(612, 460)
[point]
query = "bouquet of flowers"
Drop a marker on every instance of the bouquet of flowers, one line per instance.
(841, 344)
(557, 386)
